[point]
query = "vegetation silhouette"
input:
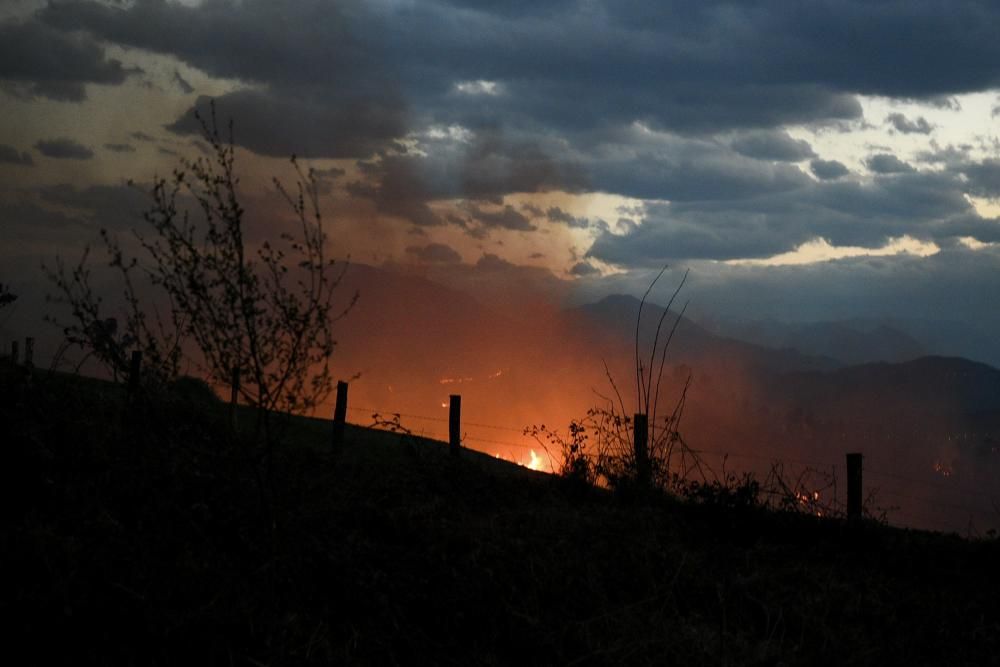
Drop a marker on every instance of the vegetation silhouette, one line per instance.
(258, 317)
(601, 447)
(155, 551)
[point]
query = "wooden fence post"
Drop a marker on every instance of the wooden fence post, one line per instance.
(643, 472)
(854, 496)
(455, 425)
(29, 353)
(14, 353)
(134, 373)
(339, 416)
(234, 397)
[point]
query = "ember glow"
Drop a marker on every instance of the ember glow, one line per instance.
(536, 462)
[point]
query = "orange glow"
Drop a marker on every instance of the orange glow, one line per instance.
(536, 462)
(454, 380)
(942, 469)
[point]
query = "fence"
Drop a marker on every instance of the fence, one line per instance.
(914, 509)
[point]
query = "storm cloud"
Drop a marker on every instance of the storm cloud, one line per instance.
(11, 155)
(721, 130)
(670, 65)
(43, 61)
(64, 148)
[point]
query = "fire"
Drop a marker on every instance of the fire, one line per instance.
(454, 380)
(536, 461)
(807, 498)
(942, 469)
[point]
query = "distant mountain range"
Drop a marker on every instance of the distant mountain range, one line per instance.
(865, 340)
(796, 392)
(692, 343)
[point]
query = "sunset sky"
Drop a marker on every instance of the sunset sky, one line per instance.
(805, 161)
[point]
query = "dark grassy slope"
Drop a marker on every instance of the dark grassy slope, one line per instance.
(154, 544)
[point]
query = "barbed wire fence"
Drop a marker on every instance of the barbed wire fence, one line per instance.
(902, 506)
(899, 504)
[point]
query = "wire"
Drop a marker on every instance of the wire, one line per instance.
(938, 507)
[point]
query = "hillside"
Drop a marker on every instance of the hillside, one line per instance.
(850, 342)
(692, 343)
(149, 539)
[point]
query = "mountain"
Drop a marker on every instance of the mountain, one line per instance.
(929, 385)
(692, 343)
(850, 342)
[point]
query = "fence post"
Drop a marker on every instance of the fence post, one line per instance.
(643, 472)
(854, 497)
(234, 397)
(134, 373)
(14, 353)
(29, 353)
(455, 425)
(339, 416)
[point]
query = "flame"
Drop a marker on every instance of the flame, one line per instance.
(942, 469)
(808, 498)
(536, 462)
(454, 380)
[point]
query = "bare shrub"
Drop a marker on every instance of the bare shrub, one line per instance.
(198, 290)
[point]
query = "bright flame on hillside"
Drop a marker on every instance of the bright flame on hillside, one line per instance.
(536, 462)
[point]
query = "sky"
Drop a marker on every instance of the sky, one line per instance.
(805, 161)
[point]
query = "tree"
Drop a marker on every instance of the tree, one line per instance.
(200, 290)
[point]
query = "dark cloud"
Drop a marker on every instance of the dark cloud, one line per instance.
(677, 103)
(100, 206)
(435, 252)
(322, 92)
(42, 61)
(556, 214)
(886, 163)
(639, 164)
(773, 145)
(928, 206)
(506, 217)
(828, 170)
(142, 136)
(948, 155)
(984, 177)
(483, 168)
(582, 269)
(64, 148)
(10, 155)
(670, 65)
(182, 83)
(532, 210)
(907, 126)
(398, 188)
(282, 123)
(60, 91)
(120, 148)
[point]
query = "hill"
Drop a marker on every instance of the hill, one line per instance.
(151, 538)
(850, 342)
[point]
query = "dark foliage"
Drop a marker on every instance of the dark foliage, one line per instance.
(142, 539)
(6, 296)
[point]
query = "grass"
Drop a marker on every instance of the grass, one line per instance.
(152, 542)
